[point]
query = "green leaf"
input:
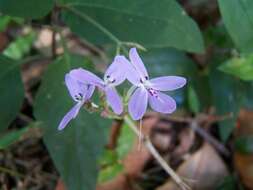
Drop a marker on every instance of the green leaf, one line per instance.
(11, 137)
(193, 101)
(4, 21)
(76, 149)
(125, 141)
(226, 94)
(12, 91)
(21, 46)
(241, 67)
(228, 183)
(109, 157)
(29, 9)
(244, 145)
(151, 24)
(110, 166)
(111, 162)
(238, 18)
(110, 172)
(168, 61)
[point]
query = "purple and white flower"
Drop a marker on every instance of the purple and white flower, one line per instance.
(114, 75)
(80, 93)
(150, 90)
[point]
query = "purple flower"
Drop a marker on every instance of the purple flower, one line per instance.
(114, 75)
(80, 93)
(149, 90)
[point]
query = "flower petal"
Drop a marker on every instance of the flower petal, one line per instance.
(138, 64)
(114, 100)
(69, 116)
(162, 103)
(138, 102)
(167, 83)
(86, 77)
(90, 90)
(75, 88)
(116, 72)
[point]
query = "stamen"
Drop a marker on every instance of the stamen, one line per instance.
(153, 92)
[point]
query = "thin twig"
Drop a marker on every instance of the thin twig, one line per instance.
(204, 120)
(156, 155)
(114, 134)
(54, 21)
(209, 138)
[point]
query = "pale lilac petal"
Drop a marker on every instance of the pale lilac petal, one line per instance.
(69, 116)
(128, 70)
(138, 64)
(133, 76)
(86, 77)
(90, 90)
(167, 83)
(113, 100)
(138, 102)
(116, 72)
(75, 88)
(162, 103)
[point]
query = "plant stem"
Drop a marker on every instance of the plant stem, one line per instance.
(156, 155)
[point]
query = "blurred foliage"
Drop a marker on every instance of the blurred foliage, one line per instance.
(111, 161)
(27, 9)
(244, 144)
(125, 141)
(12, 91)
(241, 67)
(11, 137)
(229, 183)
(20, 46)
(160, 24)
(193, 100)
(239, 22)
(5, 20)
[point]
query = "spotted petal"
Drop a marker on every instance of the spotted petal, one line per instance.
(86, 77)
(75, 87)
(128, 70)
(167, 83)
(116, 72)
(114, 100)
(138, 64)
(138, 102)
(89, 92)
(70, 115)
(162, 103)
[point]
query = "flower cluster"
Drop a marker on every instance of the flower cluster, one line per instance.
(82, 83)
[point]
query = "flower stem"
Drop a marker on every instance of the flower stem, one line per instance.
(156, 155)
